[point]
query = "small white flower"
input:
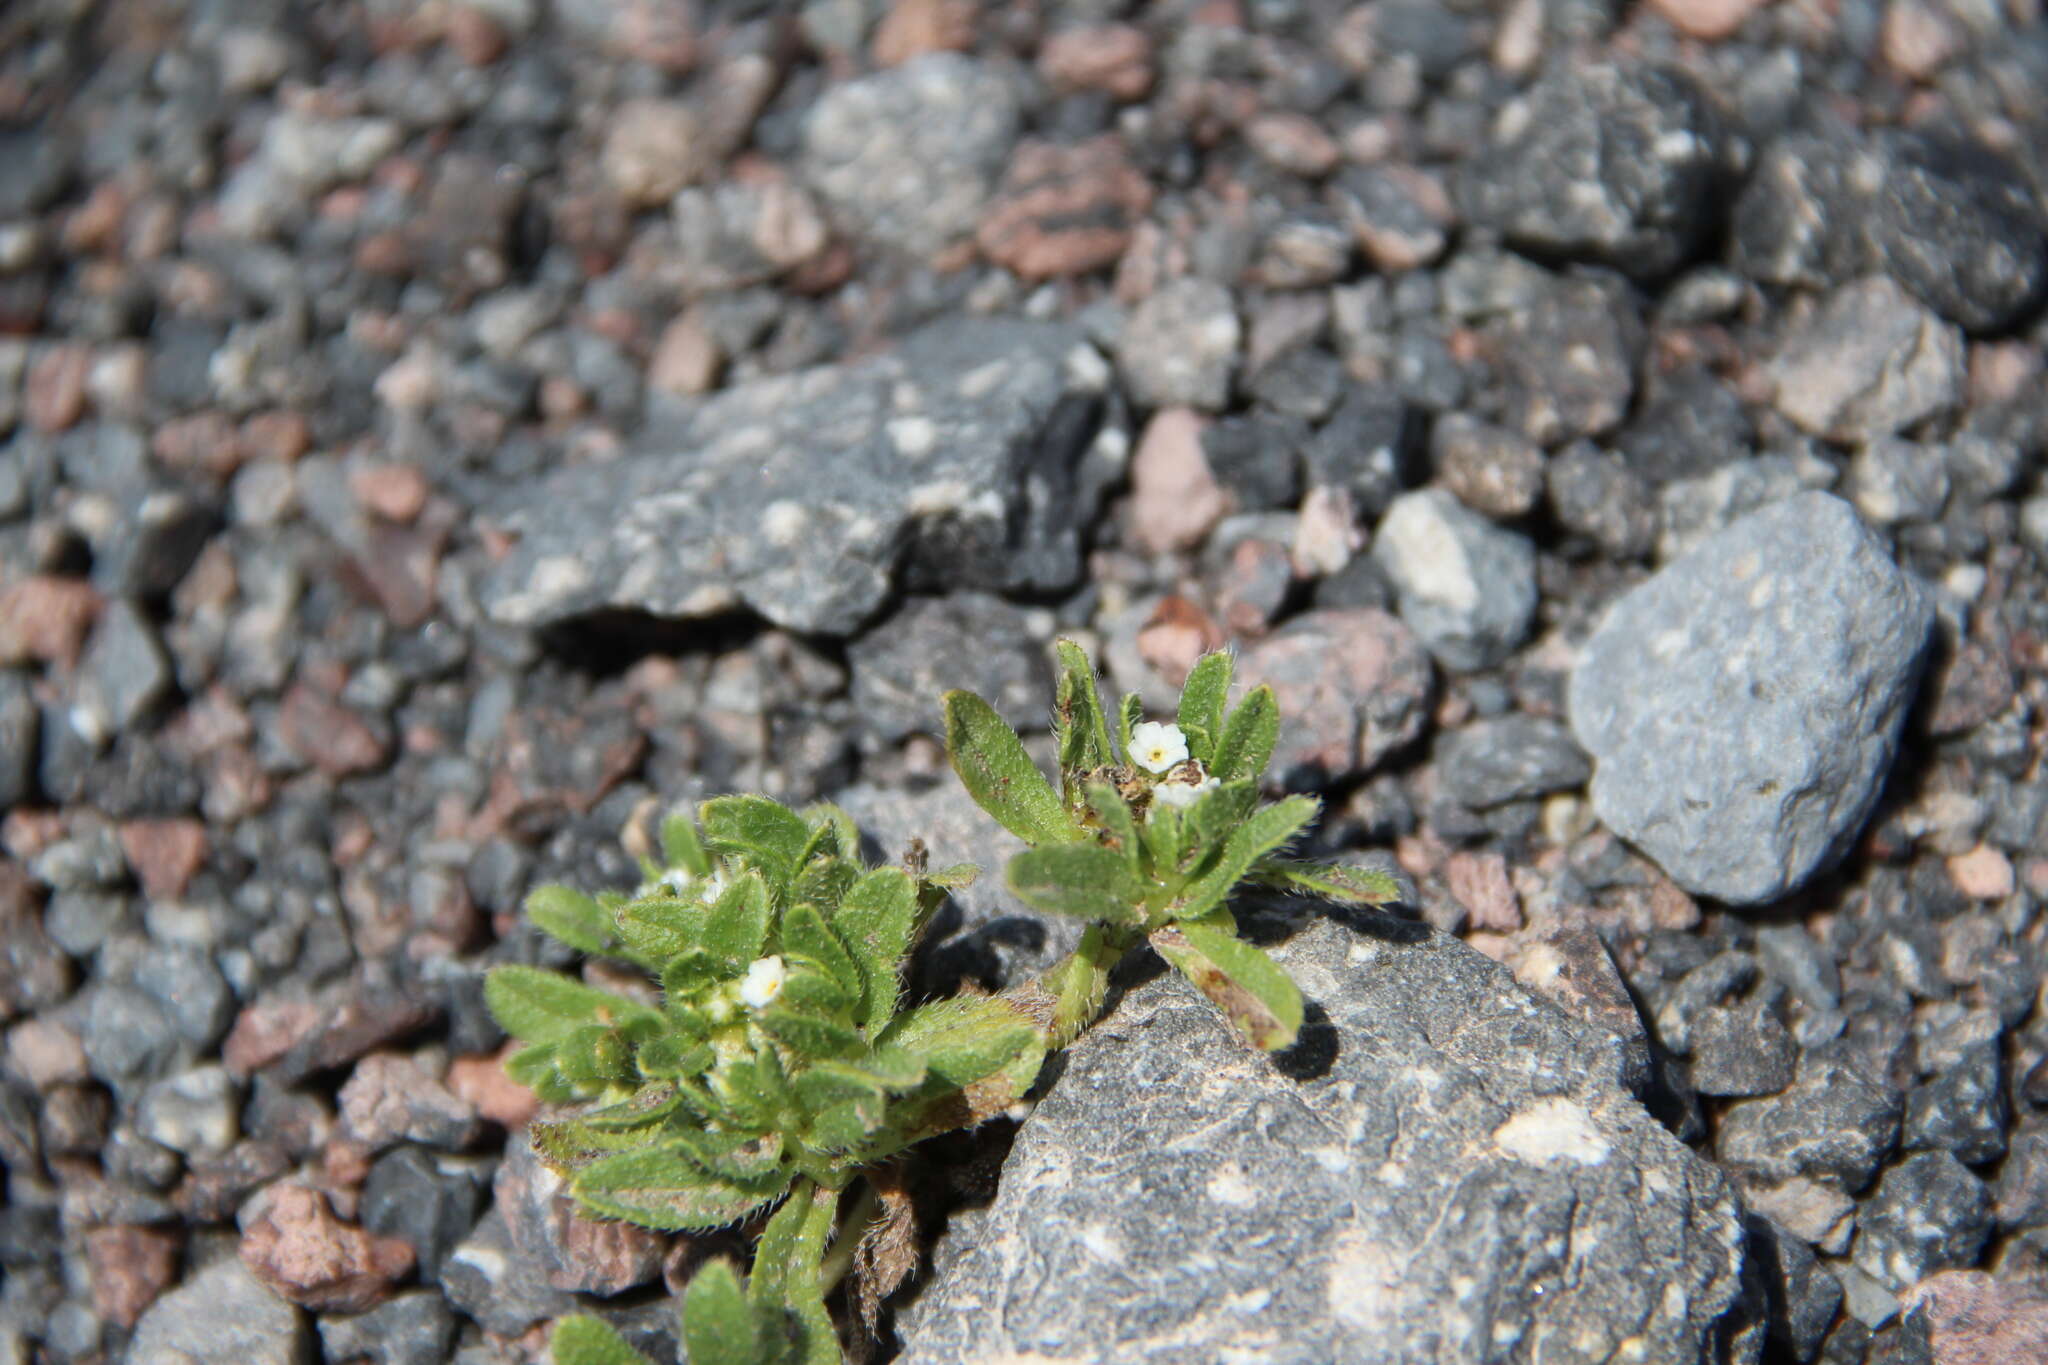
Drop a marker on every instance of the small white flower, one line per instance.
(1183, 794)
(763, 982)
(1157, 746)
(674, 883)
(714, 886)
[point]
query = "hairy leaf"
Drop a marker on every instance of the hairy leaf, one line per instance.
(1249, 987)
(742, 1157)
(580, 1339)
(965, 1038)
(875, 921)
(806, 934)
(538, 1006)
(955, 877)
(680, 846)
(888, 1248)
(1078, 723)
(572, 917)
(764, 834)
(661, 929)
(1202, 698)
(719, 1326)
(1217, 813)
(736, 926)
(1128, 713)
(1086, 881)
(1116, 820)
(1352, 885)
(1265, 831)
(672, 1056)
(785, 1279)
(595, 1056)
(1246, 745)
(662, 1187)
(534, 1067)
(810, 1036)
(999, 775)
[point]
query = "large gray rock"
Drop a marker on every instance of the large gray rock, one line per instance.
(1743, 705)
(961, 458)
(221, 1313)
(1446, 1171)
(907, 157)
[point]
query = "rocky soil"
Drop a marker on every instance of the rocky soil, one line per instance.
(433, 432)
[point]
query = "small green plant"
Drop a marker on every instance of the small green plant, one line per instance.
(774, 1064)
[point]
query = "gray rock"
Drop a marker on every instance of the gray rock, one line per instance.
(127, 1035)
(1871, 362)
(1179, 348)
(1511, 758)
(195, 1112)
(1831, 1125)
(20, 729)
(428, 1200)
(965, 639)
(1803, 1297)
(1495, 472)
(1598, 494)
(1742, 707)
(984, 935)
(1741, 1050)
(1601, 162)
(1893, 480)
(1368, 448)
(961, 459)
(192, 991)
(1445, 1170)
(1949, 219)
(907, 157)
(1691, 510)
(1690, 424)
(1257, 459)
(1961, 1108)
(1354, 686)
(221, 1313)
(412, 1328)
(1929, 1214)
(124, 673)
(1568, 360)
(1466, 586)
(488, 1278)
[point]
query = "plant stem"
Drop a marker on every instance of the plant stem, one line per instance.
(839, 1259)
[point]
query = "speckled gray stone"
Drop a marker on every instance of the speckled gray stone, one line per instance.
(221, 1313)
(1743, 706)
(1466, 586)
(964, 458)
(1446, 1171)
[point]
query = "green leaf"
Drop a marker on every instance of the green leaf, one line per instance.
(595, 1056)
(719, 1326)
(824, 880)
(810, 1036)
(1078, 722)
(845, 833)
(567, 914)
(1086, 881)
(1248, 737)
(785, 1285)
(661, 929)
(648, 1105)
(684, 976)
(680, 846)
(672, 1055)
(569, 1144)
(825, 1084)
(965, 1038)
(662, 1187)
(1128, 713)
(844, 1126)
(745, 1158)
(1117, 821)
(955, 877)
(1266, 830)
(875, 920)
(898, 1071)
(534, 1068)
(580, 1339)
(1249, 987)
(1217, 813)
(999, 775)
(810, 989)
(805, 934)
(1351, 885)
(1165, 833)
(538, 1006)
(1202, 698)
(764, 834)
(736, 927)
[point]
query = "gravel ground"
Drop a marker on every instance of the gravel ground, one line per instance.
(432, 430)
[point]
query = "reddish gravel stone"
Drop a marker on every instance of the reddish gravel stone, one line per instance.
(1480, 883)
(1178, 633)
(389, 1099)
(580, 1253)
(1064, 210)
(913, 28)
(1175, 499)
(204, 443)
(266, 1031)
(297, 1247)
(1975, 1319)
(164, 854)
(131, 1265)
(54, 396)
(45, 618)
(483, 1083)
(327, 734)
(395, 492)
(1353, 686)
(1113, 58)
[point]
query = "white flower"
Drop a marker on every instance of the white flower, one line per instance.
(714, 886)
(674, 883)
(763, 982)
(1183, 794)
(1157, 746)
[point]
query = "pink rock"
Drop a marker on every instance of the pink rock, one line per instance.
(1706, 18)
(1175, 499)
(1982, 874)
(296, 1245)
(1974, 1319)
(1480, 882)
(1353, 686)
